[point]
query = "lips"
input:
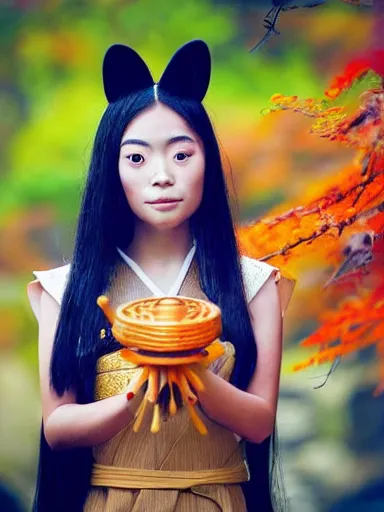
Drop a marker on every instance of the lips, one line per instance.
(165, 200)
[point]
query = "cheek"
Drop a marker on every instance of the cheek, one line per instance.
(195, 187)
(130, 183)
(198, 179)
(198, 187)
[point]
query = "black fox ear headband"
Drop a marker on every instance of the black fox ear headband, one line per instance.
(186, 76)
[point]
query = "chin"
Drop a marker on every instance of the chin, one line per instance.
(166, 226)
(165, 221)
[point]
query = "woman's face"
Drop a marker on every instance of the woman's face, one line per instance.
(161, 168)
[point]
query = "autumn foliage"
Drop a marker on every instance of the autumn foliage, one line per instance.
(350, 207)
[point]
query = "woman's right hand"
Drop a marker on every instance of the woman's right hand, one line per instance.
(68, 424)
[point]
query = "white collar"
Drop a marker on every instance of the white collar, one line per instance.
(157, 292)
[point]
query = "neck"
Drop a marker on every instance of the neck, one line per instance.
(164, 245)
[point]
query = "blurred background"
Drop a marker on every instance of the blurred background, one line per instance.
(51, 99)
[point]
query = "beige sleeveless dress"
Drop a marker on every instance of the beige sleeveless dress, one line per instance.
(177, 447)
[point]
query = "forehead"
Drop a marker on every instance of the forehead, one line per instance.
(157, 121)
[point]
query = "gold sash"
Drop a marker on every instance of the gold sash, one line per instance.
(126, 478)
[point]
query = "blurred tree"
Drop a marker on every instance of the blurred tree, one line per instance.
(350, 204)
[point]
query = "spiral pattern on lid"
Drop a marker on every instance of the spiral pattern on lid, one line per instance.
(167, 324)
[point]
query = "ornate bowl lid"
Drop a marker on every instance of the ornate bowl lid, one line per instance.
(167, 324)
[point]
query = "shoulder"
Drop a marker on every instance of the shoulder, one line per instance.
(255, 274)
(53, 281)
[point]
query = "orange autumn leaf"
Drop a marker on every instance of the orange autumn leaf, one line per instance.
(334, 210)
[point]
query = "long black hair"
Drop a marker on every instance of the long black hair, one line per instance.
(64, 477)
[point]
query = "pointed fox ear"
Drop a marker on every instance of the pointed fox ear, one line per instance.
(188, 72)
(124, 72)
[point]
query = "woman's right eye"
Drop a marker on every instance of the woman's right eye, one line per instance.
(136, 158)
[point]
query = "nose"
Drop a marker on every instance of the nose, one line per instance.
(162, 177)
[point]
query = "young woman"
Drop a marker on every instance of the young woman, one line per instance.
(155, 220)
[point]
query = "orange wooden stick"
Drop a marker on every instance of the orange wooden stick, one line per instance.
(172, 374)
(215, 350)
(194, 379)
(140, 415)
(137, 381)
(185, 389)
(153, 384)
(163, 378)
(155, 426)
(196, 420)
(172, 402)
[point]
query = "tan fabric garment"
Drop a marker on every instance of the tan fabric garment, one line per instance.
(177, 447)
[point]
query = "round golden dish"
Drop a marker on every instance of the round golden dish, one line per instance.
(166, 324)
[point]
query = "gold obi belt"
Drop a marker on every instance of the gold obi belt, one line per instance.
(126, 478)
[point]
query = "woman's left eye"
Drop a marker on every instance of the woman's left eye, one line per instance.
(180, 157)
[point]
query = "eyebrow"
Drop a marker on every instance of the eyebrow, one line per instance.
(172, 140)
